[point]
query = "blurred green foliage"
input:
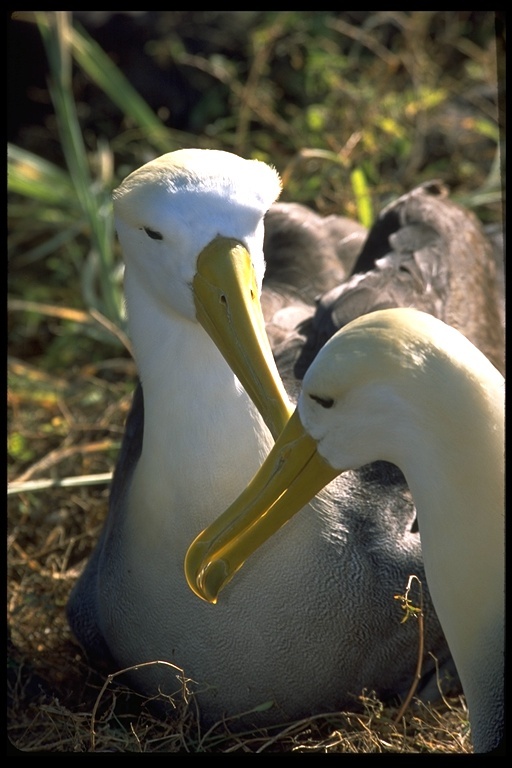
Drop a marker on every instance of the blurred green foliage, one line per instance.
(351, 107)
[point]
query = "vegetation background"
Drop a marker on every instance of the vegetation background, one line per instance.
(353, 108)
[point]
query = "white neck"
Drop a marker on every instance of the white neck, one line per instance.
(462, 537)
(203, 437)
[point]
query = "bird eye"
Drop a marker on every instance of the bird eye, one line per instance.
(152, 234)
(325, 402)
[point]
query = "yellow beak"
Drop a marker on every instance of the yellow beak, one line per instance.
(291, 475)
(228, 307)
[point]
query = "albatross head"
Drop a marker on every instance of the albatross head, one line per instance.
(383, 387)
(190, 224)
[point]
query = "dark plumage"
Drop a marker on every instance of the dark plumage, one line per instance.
(307, 252)
(424, 251)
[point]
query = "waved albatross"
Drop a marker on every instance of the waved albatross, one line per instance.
(399, 385)
(289, 632)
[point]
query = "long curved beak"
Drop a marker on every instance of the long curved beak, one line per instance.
(228, 307)
(291, 475)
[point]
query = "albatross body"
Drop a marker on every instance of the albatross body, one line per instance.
(424, 251)
(312, 619)
(401, 386)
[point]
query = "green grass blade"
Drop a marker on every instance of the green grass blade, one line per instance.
(362, 197)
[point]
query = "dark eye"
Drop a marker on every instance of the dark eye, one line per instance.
(152, 234)
(325, 402)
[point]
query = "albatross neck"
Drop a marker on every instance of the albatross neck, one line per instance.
(192, 400)
(455, 474)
